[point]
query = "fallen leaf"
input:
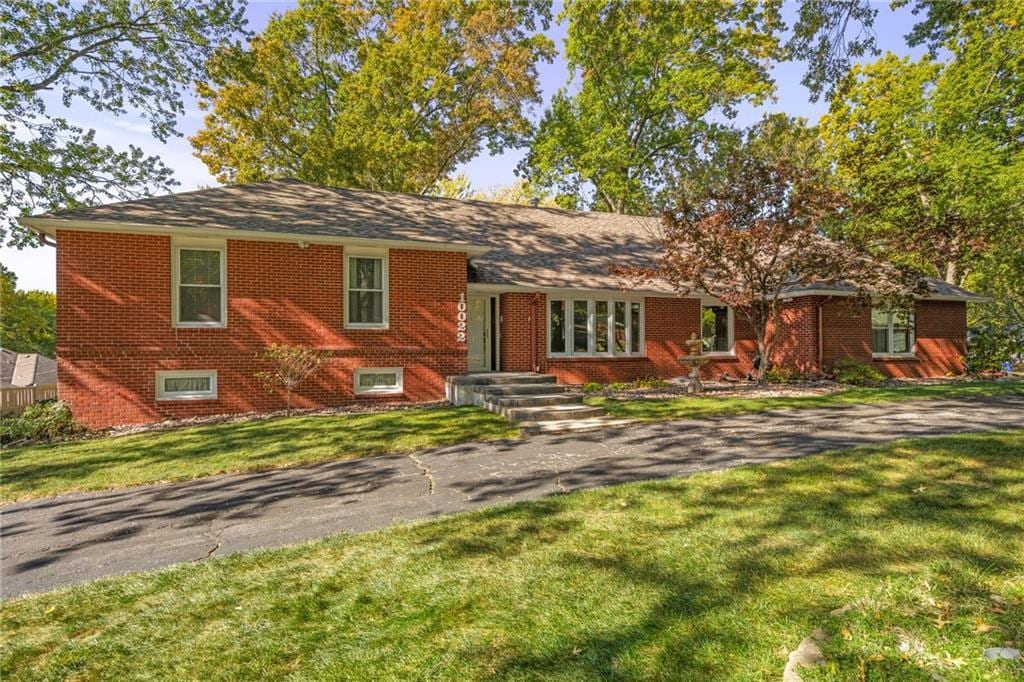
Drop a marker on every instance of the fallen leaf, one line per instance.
(982, 626)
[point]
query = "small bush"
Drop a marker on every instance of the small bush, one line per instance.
(991, 346)
(49, 420)
(618, 386)
(592, 387)
(650, 382)
(780, 375)
(857, 373)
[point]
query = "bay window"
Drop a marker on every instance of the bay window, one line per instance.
(892, 332)
(581, 327)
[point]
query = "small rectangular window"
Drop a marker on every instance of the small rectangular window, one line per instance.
(186, 385)
(716, 335)
(387, 380)
(581, 326)
(620, 326)
(366, 291)
(200, 286)
(634, 327)
(600, 326)
(892, 333)
(556, 327)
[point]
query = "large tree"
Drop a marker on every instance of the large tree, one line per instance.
(747, 225)
(372, 93)
(28, 319)
(933, 152)
(644, 75)
(112, 56)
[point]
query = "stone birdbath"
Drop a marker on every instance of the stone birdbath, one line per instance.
(692, 362)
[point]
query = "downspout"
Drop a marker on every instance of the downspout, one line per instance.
(820, 324)
(533, 332)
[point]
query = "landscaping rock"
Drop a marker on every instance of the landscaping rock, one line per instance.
(1003, 652)
(807, 655)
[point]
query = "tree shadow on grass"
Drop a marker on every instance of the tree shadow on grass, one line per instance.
(806, 535)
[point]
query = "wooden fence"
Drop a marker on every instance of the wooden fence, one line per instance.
(15, 399)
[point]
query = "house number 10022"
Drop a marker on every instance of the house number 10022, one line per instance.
(461, 319)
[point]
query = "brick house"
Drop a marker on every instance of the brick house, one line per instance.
(164, 303)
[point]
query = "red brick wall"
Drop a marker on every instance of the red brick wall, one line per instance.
(114, 325)
(941, 338)
(941, 334)
(669, 323)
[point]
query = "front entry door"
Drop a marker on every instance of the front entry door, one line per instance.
(479, 333)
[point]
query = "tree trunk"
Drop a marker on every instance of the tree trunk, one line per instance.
(762, 369)
(288, 402)
(952, 273)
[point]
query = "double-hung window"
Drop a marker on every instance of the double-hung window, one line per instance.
(716, 329)
(366, 291)
(594, 327)
(200, 286)
(892, 332)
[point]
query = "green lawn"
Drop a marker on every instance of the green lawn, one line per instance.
(98, 464)
(716, 576)
(707, 406)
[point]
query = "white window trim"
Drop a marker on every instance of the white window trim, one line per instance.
(383, 255)
(397, 389)
(197, 395)
(198, 245)
(730, 324)
(591, 326)
(890, 332)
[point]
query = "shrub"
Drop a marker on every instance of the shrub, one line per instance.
(618, 386)
(780, 375)
(990, 346)
(49, 420)
(592, 387)
(857, 373)
(650, 382)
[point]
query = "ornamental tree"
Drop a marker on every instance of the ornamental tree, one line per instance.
(747, 226)
(291, 365)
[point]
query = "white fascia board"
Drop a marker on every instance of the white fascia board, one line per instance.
(49, 226)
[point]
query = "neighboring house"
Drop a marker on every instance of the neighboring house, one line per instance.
(25, 378)
(164, 303)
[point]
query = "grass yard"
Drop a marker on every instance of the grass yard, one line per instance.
(98, 464)
(653, 409)
(716, 576)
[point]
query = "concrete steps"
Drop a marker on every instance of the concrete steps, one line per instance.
(537, 401)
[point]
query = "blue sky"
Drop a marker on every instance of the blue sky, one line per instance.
(36, 267)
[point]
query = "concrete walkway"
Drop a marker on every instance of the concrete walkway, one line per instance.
(75, 538)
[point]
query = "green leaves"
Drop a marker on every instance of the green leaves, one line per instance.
(373, 95)
(112, 56)
(644, 76)
(28, 319)
(931, 152)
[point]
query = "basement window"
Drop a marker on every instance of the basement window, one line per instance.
(378, 380)
(186, 385)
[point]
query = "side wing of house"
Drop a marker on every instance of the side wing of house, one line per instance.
(154, 326)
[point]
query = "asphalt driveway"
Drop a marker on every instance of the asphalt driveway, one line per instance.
(64, 540)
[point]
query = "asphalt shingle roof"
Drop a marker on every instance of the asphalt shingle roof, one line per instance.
(529, 246)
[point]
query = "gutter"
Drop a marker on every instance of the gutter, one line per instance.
(49, 227)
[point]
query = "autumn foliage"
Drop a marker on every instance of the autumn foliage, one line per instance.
(748, 227)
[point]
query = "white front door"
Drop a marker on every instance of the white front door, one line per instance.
(479, 333)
